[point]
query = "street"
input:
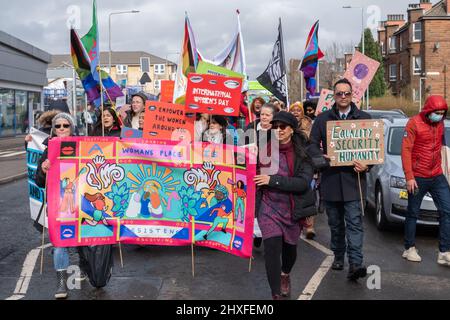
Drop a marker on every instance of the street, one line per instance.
(165, 273)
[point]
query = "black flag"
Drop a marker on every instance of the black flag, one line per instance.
(273, 78)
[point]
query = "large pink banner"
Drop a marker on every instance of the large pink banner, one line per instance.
(137, 191)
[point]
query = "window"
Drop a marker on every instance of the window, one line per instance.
(401, 43)
(21, 111)
(145, 64)
(7, 121)
(383, 49)
(121, 69)
(392, 44)
(393, 72)
(417, 64)
(417, 32)
(157, 85)
(160, 68)
(395, 141)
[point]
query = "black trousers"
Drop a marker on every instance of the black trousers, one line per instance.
(279, 257)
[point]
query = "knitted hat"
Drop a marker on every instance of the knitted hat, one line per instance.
(65, 116)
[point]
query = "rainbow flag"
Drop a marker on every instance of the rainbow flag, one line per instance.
(91, 42)
(311, 58)
(82, 65)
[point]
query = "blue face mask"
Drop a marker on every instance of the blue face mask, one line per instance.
(435, 117)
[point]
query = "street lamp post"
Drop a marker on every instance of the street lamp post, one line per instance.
(109, 28)
(362, 42)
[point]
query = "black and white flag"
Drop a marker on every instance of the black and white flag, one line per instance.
(274, 77)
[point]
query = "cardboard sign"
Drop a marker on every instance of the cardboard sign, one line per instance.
(360, 73)
(355, 140)
(167, 87)
(167, 121)
(209, 68)
(326, 101)
(217, 95)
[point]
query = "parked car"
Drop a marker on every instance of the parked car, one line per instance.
(387, 114)
(386, 184)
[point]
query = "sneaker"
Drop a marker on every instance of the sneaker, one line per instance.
(411, 255)
(444, 258)
(285, 285)
(61, 290)
(337, 264)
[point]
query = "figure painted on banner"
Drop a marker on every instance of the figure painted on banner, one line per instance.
(134, 206)
(151, 205)
(63, 125)
(107, 123)
(68, 202)
(130, 114)
(239, 208)
(221, 210)
(99, 208)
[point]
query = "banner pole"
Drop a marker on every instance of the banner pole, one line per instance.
(250, 264)
(43, 230)
(360, 194)
(193, 263)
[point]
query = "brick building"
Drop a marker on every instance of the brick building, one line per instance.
(416, 50)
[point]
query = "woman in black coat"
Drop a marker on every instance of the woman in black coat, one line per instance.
(107, 124)
(285, 196)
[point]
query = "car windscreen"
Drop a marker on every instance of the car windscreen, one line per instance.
(396, 136)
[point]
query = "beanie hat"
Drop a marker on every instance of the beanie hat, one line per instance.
(65, 116)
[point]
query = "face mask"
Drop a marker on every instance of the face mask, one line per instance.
(435, 117)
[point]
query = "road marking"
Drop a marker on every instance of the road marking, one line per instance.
(317, 278)
(27, 273)
(11, 154)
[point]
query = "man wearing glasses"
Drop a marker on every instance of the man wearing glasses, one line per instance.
(340, 188)
(422, 164)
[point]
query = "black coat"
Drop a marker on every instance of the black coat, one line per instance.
(40, 175)
(299, 185)
(338, 183)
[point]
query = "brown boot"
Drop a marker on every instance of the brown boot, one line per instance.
(285, 285)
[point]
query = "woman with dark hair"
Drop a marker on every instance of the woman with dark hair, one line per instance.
(286, 197)
(217, 132)
(107, 124)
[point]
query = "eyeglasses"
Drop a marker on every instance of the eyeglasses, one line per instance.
(343, 93)
(282, 126)
(65, 126)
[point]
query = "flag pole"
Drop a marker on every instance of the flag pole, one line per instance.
(284, 63)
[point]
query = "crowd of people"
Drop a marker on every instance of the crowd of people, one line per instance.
(286, 200)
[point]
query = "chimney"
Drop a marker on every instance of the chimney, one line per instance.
(426, 4)
(447, 7)
(395, 19)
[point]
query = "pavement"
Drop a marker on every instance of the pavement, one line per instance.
(165, 273)
(12, 159)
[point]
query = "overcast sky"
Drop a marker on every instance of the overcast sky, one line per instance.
(158, 28)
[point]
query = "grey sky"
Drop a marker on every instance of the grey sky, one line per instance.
(158, 28)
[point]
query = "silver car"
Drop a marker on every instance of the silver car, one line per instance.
(386, 184)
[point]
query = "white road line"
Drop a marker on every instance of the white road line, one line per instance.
(317, 278)
(27, 273)
(12, 154)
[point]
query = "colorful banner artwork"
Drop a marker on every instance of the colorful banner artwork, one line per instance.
(137, 191)
(167, 121)
(326, 101)
(355, 140)
(213, 94)
(35, 148)
(128, 132)
(360, 73)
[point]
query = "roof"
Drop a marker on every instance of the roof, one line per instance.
(403, 28)
(117, 57)
(438, 10)
(24, 47)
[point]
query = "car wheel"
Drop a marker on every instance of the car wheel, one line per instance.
(380, 214)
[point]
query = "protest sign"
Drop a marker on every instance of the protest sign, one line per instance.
(167, 87)
(168, 121)
(360, 73)
(35, 148)
(140, 191)
(355, 140)
(128, 132)
(213, 94)
(325, 102)
(209, 68)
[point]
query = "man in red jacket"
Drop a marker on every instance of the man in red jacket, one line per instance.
(421, 159)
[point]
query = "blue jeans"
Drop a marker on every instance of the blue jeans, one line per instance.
(60, 258)
(345, 221)
(440, 192)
